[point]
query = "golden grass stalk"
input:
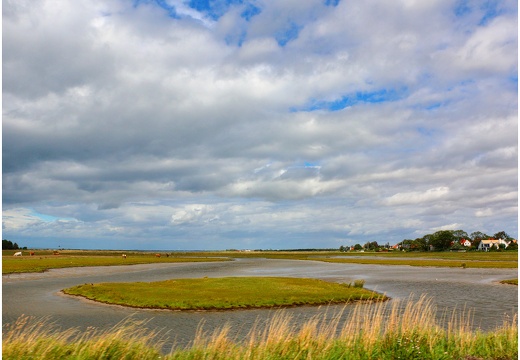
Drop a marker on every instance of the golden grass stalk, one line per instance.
(34, 338)
(401, 329)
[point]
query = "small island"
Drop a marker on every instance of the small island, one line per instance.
(227, 293)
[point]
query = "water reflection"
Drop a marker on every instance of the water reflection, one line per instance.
(451, 290)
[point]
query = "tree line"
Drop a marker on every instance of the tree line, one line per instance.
(439, 241)
(9, 245)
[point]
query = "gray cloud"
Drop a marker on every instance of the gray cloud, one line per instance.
(305, 124)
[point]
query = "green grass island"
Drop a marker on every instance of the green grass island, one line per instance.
(228, 293)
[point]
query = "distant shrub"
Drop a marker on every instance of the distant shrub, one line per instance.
(359, 284)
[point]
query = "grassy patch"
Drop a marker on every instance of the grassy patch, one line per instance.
(385, 331)
(43, 261)
(511, 282)
(224, 293)
(428, 262)
(446, 255)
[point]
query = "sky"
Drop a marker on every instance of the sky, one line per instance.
(236, 124)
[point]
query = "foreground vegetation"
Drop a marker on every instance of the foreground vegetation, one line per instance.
(224, 293)
(44, 259)
(382, 331)
(510, 281)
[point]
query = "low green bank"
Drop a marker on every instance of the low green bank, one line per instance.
(510, 282)
(429, 262)
(44, 259)
(224, 293)
(41, 263)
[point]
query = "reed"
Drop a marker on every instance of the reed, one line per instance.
(31, 338)
(397, 330)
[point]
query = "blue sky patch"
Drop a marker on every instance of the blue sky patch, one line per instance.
(238, 40)
(47, 218)
(288, 34)
(250, 11)
(161, 3)
(462, 8)
(360, 97)
(514, 79)
(331, 2)
(491, 11)
(433, 106)
(200, 5)
(309, 164)
(215, 9)
(427, 132)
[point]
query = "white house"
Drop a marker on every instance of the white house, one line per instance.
(465, 242)
(485, 245)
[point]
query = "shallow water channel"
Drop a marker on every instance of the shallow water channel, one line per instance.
(451, 289)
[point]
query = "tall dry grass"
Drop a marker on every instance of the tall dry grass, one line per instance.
(397, 330)
(30, 338)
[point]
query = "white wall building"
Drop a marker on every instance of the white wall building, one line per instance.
(485, 245)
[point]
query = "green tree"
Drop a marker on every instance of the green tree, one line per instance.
(460, 234)
(371, 245)
(406, 244)
(420, 244)
(501, 235)
(478, 235)
(9, 245)
(358, 247)
(442, 240)
(457, 246)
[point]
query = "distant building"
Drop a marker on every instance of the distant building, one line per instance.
(486, 245)
(465, 242)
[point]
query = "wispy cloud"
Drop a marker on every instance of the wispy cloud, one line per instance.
(416, 197)
(228, 124)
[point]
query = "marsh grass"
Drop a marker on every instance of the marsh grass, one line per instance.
(45, 259)
(439, 262)
(510, 281)
(28, 338)
(396, 330)
(225, 293)
(41, 263)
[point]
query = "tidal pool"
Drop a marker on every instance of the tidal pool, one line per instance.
(451, 290)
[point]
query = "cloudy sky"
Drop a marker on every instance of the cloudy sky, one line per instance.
(199, 124)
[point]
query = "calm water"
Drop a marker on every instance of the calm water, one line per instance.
(450, 290)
